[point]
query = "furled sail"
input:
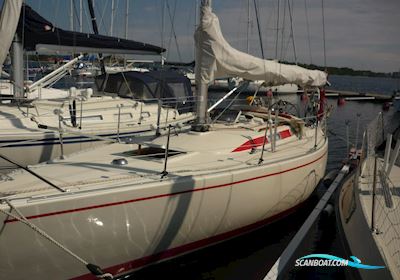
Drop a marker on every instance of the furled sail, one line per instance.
(215, 58)
(42, 36)
(8, 24)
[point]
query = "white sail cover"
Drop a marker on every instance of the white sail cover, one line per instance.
(215, 58)
(8, 25)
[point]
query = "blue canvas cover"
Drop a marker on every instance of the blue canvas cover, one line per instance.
(150, 86)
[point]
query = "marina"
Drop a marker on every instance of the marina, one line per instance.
(234, 166)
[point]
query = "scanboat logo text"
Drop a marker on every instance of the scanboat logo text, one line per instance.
(329, 260)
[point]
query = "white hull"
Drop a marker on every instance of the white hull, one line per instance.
(124, 222)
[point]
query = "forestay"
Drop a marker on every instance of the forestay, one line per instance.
(217, 59)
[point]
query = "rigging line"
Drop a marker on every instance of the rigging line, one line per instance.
(162, 23)
(172, 19)
(101, 13)
(53, 22)
(248, 27)
(259, 30)
(71, 15)
(283, 29)
(286, 48)
(323, 31)
(308, 30)
(277, 31)
(282, 35)
(56, 12)
(126, 21)
(96, 31)
(189, 24)
(110, 32)
(171, 29)
(80, 16)
(268, 26)
(23, 27)
(32, 172)
(117, 20)
(292, 32)
(190, 18)
(87, 17)
(170, 32)
(237, 33)
(76, 14)
(260, 37)
(100, 19)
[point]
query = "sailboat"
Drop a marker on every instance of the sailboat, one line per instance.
(368, 202)
(30, 131)
(122, 206)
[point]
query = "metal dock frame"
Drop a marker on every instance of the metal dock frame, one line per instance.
(281, 265)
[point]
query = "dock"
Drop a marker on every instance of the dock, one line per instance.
(359, 96)
(284, 264)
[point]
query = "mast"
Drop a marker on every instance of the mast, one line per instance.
(292, 32)
(17, 58)
(80, 15)
(126, 18)
(9, 17)
(71, 16)
(259, 30)
(126, 24)
(112, 17)
(195, 26)
(96, 31)
(162, 23)
(202, 87)
(277, 32)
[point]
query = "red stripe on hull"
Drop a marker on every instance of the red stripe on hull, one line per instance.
(285, 133)
(259, 141)
(164, 195)
(253, 143)
(130, 266)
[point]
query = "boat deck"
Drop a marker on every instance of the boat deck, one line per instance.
(387, 211)
(94, 172)
(7, 91)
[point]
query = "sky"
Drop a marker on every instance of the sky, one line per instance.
(361, 34)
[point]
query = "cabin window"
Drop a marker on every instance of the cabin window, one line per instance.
(123, 116)
(178, 89)
(87, 119)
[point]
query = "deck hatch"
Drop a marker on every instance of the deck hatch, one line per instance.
(152, 153)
